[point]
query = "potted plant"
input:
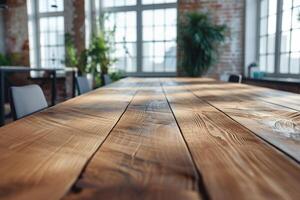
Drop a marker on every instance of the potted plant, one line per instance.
(199, 39)
(73, 58)
(100, 52)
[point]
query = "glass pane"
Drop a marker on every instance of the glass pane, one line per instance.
(170, 33)
(171, 16)
(272, 7)
(131, 64)
(170, 49)
(120, 64)
(295, 43)
(284, 63)
(130, 2)
(285, 41)
(159, 33)
(158, 1)
(159, 48)
(263, 45)
(159, 17)
(170, 64)
(51, 6)
(120, 34)
(271, 44)
(296, 3)
(147, 64)
(148, 18)
(108, 3)
(130, 49)
(130, 35)
(119, 2)
(270, 63)
(286, 20)
(263, 63)
(109, 22)
(296, 22)
(287, 4)
(295, 57)
(272, 24)
(264, 8)
(148, 49)
(131, 19)
(148, 34)
(158, 64)
(120, 20)
(263, 26)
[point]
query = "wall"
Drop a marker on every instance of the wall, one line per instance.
(231, 13)
(75, 21)
(16, 31)
(2, 45)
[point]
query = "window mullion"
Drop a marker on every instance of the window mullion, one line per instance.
(139, 38)
(278, 36)
(38, 41)
(258, 31)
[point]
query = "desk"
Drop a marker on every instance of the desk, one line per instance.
(160, 138)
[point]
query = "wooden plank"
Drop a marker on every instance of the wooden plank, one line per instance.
(144, 157)
(234, 163)
(276, 124)
(42, 155)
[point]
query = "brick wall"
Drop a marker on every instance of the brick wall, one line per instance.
(16, 32)
(75, 22)
(231, 13)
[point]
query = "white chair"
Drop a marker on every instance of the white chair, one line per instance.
(83, 85)
(26, 100)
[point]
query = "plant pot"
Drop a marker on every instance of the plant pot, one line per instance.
(91, 80)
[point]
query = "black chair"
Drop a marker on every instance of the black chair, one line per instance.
(107, 79)
(235, 78)
(82, 84)
(26, 100)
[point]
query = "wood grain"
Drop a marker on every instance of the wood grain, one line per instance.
(42, 155)
(233, 162)
(123, 142)
(144, 157)
(276, 124)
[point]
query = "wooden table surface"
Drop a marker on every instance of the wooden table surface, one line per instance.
(157, 138)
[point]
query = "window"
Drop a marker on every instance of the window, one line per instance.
(46, 33)
(290, 38)
(145, 34)
(279, 30)
(268, 13)
(125, 39)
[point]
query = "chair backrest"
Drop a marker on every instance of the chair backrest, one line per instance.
(235, 78)
(26, 100)
(83, 85)
(107, 79)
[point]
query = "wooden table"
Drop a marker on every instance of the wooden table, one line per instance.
(157, 139)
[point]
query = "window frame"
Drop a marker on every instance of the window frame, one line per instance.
(37, 15)
(139, 8)
(278, 34)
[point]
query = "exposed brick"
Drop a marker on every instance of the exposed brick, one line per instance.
(231, 13)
